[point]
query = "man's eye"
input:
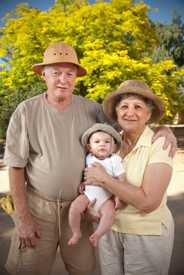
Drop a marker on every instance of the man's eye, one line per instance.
(55, 73)
(70, 74)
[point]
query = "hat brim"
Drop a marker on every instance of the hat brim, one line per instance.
(111, 100)
(104, 128)
(38, 68)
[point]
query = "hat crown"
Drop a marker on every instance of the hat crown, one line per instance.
(57, 53)
(134, 85)
(60, 52)
(137, 87)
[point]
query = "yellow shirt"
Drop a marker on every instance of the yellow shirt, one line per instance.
(130, 220)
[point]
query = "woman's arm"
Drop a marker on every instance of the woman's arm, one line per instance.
(145, 198)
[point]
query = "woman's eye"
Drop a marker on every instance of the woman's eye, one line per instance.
(123, 107)
(138, 107)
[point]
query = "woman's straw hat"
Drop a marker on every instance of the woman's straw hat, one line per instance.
(59, 53)
(137, 87)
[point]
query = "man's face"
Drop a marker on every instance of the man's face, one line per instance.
(60, 80)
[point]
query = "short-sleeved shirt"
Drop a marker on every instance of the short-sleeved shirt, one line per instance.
(130, 220)
(47, 143)
(114, 166)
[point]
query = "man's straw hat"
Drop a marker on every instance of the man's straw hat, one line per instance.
(101, 127)
(137, 87)
(59, 53)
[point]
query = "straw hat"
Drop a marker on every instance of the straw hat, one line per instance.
(97, 127)
(59, 53)
(137, 87)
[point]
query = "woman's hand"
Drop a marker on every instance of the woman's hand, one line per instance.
(170, 139)
(95, 175)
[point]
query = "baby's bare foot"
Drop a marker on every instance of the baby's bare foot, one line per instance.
(94, 239)
(74, 239)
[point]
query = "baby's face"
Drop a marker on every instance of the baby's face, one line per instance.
(101, 145)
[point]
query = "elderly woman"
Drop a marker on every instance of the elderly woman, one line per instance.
(141, 239)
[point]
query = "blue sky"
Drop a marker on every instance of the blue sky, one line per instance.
(163, 14)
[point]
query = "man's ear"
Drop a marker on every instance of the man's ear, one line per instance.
(43, 75)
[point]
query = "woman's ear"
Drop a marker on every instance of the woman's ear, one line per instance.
(149, 117)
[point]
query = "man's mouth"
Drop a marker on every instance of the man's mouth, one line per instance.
(61, 87)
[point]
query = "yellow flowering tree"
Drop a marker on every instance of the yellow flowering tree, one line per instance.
(114, 40)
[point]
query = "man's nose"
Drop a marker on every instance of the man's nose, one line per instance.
(62, 77)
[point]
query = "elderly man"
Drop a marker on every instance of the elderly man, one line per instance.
(46, 161)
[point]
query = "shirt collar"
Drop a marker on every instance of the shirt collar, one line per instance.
(145, 139)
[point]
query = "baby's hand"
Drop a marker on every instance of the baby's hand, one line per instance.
(119, 204)
(81, 188)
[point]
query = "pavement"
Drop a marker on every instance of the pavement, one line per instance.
(175, 203)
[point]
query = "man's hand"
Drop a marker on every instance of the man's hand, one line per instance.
(28, 232)
(170, 139)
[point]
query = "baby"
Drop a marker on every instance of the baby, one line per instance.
(101, 141)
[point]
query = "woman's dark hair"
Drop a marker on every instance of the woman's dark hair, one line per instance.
(147, 101)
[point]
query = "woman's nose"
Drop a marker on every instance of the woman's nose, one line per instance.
(130, 111)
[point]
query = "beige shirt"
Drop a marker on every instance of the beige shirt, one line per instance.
(130, 220)
(47, 143)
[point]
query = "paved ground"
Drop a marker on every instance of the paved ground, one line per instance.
(175, 202)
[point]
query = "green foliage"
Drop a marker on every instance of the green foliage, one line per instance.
(114, 40)
(171, 38)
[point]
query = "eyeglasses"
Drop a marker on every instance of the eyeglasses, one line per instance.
(56, 73)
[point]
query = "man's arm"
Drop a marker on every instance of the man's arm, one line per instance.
(26, 228)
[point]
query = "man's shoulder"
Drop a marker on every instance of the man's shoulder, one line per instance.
(35, 100)
(86, 101)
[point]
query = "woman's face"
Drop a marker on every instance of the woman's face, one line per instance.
(132, 114)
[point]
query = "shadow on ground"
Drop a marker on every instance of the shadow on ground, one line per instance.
(176, 204)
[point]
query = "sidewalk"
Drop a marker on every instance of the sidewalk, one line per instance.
(175, 202)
